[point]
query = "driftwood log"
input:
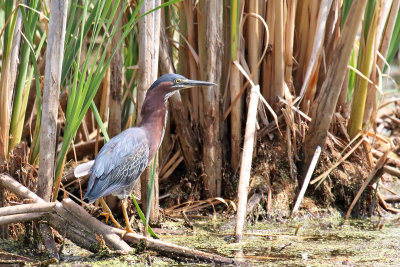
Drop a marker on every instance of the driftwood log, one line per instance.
(73, 222)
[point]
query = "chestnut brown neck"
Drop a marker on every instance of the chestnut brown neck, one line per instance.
(154, 115)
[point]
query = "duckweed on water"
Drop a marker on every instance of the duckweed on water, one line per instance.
(319, 242)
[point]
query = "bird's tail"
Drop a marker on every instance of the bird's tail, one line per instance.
(83, 169)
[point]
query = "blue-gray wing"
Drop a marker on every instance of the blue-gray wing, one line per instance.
(119, 164)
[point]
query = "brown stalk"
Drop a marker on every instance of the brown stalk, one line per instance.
(267, 77)
(210, 55)
(236, 114)
(116, 81)
(306, 23)
(277, 55)
(149, 38)
(313, 55)
(191, 61)
(326, 102)
(289, 38)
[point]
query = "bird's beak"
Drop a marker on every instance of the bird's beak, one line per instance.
(193, 83)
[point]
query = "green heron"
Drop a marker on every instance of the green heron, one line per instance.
(122, 160)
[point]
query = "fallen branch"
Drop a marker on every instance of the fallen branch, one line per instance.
(23, 217)
(172, 250)
(27, 208)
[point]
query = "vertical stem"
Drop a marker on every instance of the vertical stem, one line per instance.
(289, 36)
(234, 82)
(149, 28)
(245, 167)
(327, 100)
(210, 57)
(114, 122)
(278, 53)
(7, 82)
(51, 90)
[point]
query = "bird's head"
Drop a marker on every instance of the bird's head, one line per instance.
(170, 83)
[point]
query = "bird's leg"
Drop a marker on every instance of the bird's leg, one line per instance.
(107, 212)
(128, 227)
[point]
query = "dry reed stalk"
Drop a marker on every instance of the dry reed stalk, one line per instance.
(313, 56)
(327, 99)
(305, 25)
(210, 56)
(277, 54)
(254, 39)
(289, 38)
(235, 83)
(149, 45)
(51, 89)
(245, 166)
(267, 73)
(195, 95)
(388, 31)
(116, 81)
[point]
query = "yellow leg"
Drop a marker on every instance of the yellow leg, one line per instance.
(128, 227)
(107, 212)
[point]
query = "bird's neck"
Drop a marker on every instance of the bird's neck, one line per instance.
(154, 116)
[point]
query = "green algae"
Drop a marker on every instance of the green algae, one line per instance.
(328, 241)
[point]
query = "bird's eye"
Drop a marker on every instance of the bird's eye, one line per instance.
(178, 81)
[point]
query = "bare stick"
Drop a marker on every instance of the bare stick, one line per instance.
(173, 250)
(245, 166)
(21, 191)
(51, 91)
(374, 174)
(27, 208)
(392, 171)
(307, 180)
(23, 217)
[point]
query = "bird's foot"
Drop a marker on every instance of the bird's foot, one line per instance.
(110, 216)
(128, 229)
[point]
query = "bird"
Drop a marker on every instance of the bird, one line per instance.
(121, 161)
